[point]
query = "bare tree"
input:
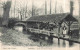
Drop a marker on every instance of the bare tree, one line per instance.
(79, 8)
(71, 7)
(14, 8)
(50, 6)
(6, 10)
(56, 7)
(32, 7)
(45, 7)
(36, 11)
(25, 12)
(61, 9)
(79, 16)
(22, 11)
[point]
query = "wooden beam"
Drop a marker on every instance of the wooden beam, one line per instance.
(69, 27)
(71, 22)
(67, 22)
(59, 24)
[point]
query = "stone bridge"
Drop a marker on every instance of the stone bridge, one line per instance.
(21, 23)
(18, 23)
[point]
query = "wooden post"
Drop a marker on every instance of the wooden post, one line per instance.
(58, 31)
(69, 27)
(38, 25)
(59, 24)
(48, 25)
(58, 42)
(21, 17)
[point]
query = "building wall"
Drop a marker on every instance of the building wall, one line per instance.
(74, 26)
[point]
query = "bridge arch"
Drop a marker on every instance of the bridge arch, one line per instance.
(21, 24)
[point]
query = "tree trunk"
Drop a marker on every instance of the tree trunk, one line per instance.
(6, 9)
(79, 16)
(45, 7)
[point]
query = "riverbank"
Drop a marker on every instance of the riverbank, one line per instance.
(13, 37)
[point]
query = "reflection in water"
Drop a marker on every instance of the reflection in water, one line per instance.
(59, 42)
(50, 42)
(50, 39)
(0, 33)
(70, 43)
(64, 45)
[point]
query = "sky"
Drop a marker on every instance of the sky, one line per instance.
(63, 5)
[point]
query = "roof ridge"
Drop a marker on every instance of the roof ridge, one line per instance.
(50, 14)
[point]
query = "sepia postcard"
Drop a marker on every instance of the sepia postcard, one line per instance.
(39, 24)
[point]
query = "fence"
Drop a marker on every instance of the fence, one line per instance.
(40, 31)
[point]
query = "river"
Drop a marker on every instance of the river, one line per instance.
(56, 42)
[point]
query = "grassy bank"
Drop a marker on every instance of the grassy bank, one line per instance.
(13, 37)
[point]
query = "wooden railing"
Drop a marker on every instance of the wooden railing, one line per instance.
(40, 31)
